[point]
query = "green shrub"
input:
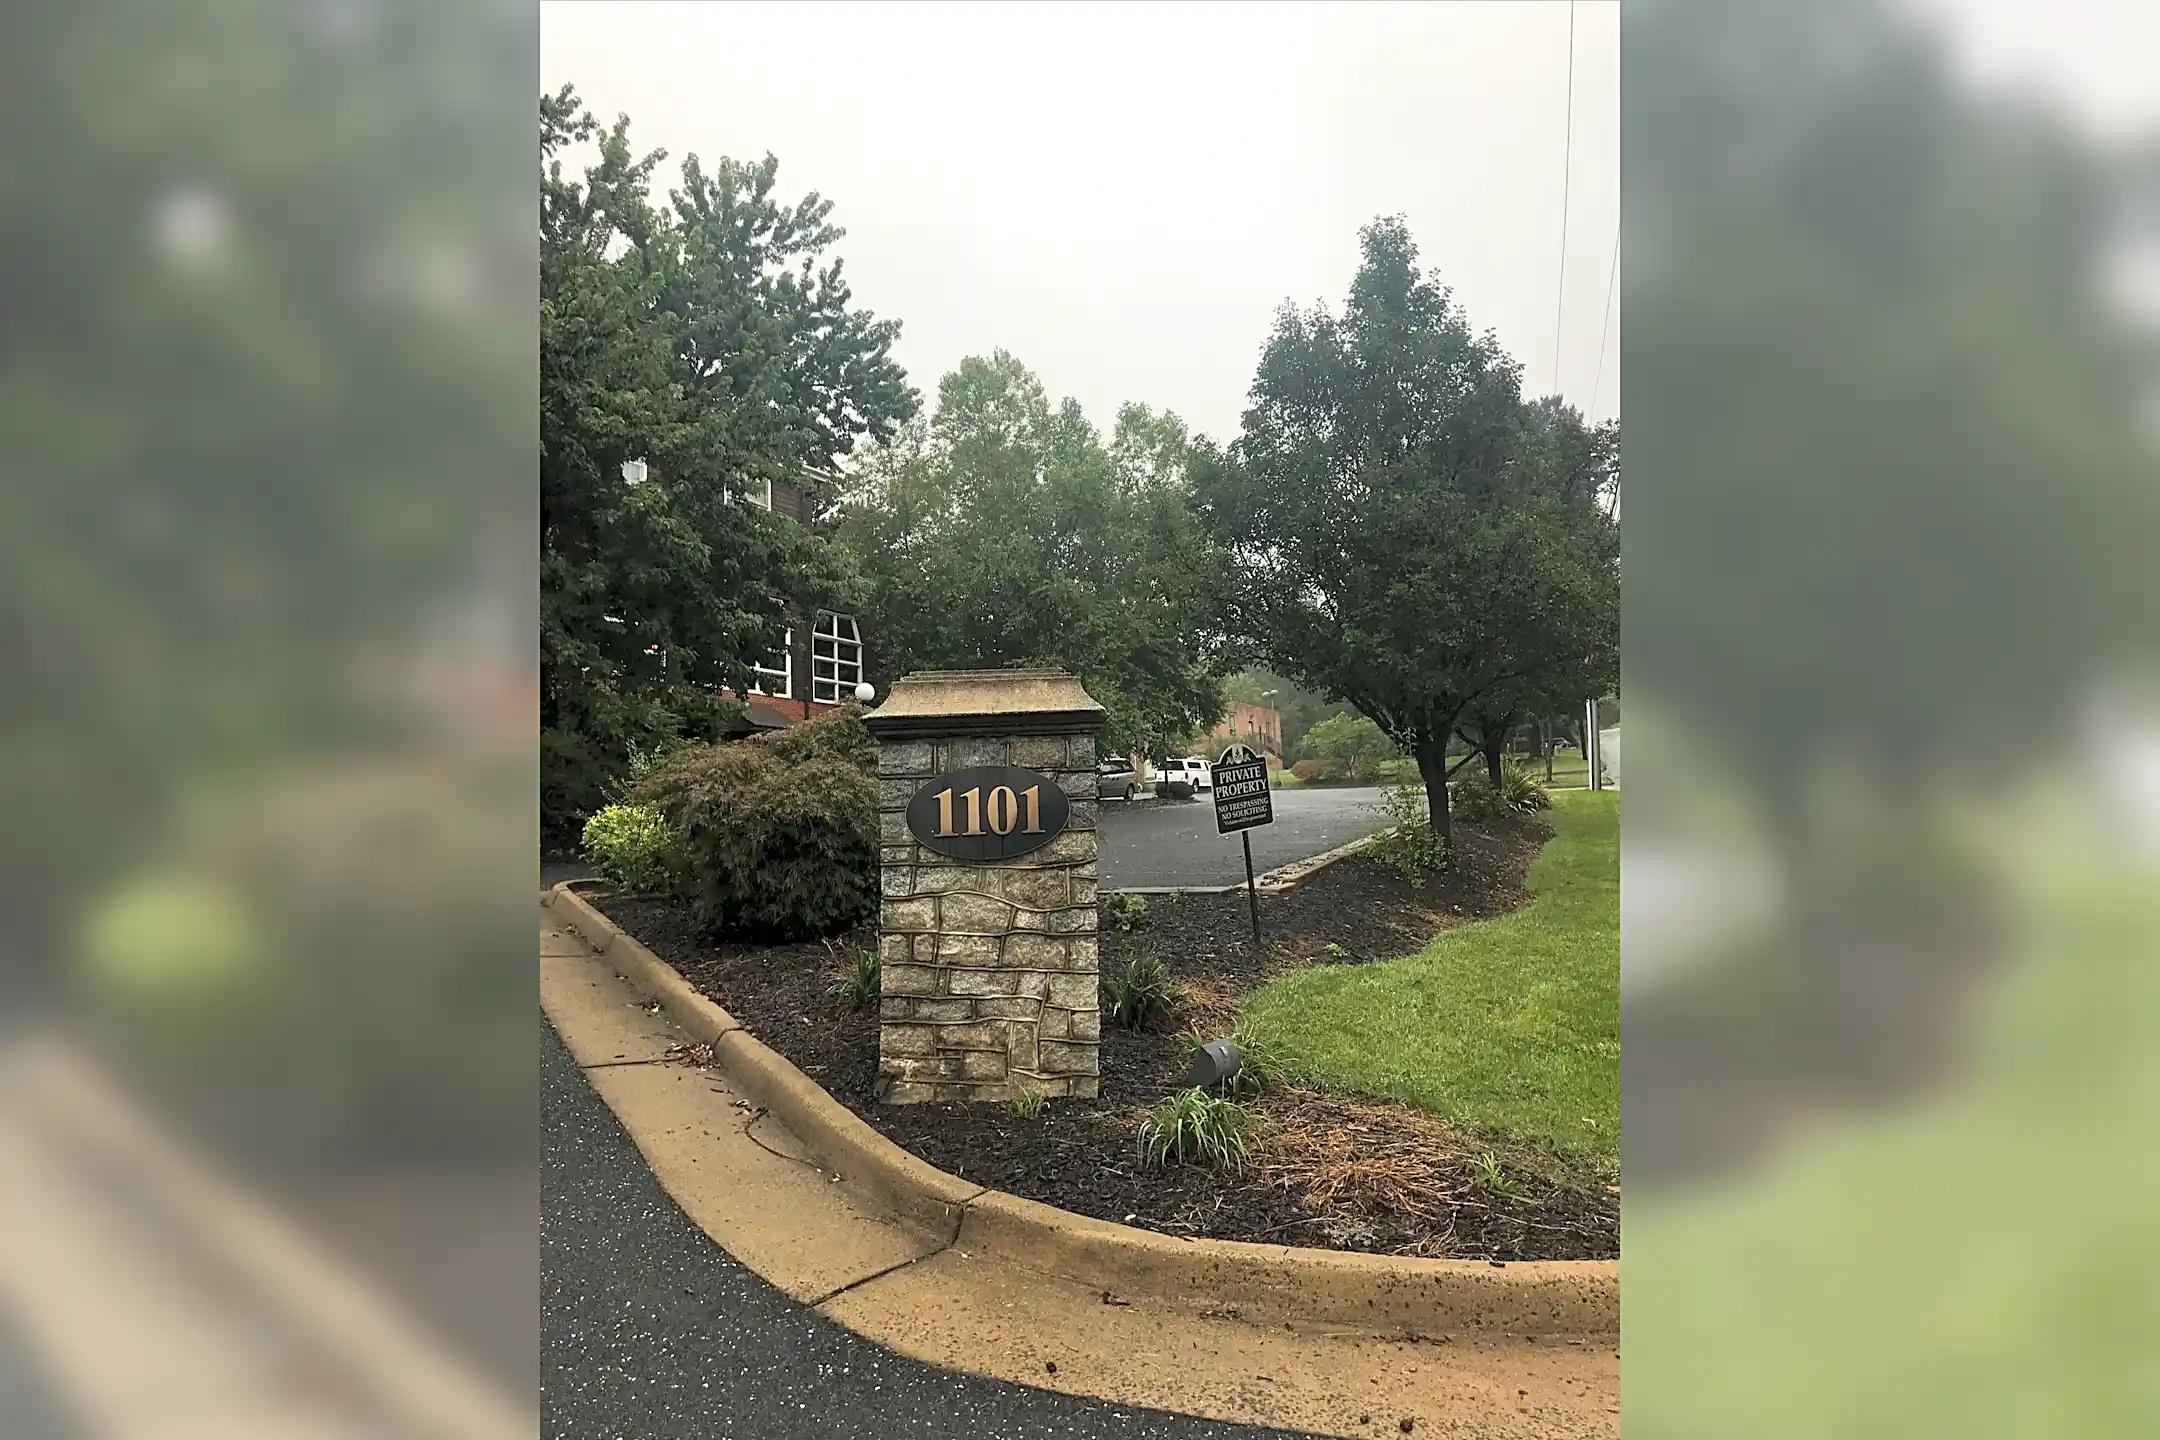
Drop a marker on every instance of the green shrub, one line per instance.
(776, 836)
(1412, 849)
(861, 982)
(1124, 911)
(630, 846)
(1283, 780)
(1144, 997)
(1194, 1127)
(1476, 799)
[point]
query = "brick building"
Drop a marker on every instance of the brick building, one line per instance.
(1254, 725)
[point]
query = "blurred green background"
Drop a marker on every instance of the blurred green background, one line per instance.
(1888, 1040)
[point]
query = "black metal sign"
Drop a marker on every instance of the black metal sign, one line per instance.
(988, 812)
(1242, 797)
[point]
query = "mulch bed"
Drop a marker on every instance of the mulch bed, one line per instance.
(1329, 1171)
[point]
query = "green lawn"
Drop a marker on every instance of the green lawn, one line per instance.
(1509, 1028)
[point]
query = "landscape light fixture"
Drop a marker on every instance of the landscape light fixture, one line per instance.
(865, 692)
(1213, 1063)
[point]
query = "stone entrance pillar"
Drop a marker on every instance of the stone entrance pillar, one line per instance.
(987, 925)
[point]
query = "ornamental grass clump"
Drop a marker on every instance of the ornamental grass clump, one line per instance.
(1144, 997)
(1196, 1128)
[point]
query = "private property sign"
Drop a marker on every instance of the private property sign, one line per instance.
(1242, 798)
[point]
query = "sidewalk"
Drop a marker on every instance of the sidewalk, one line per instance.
(747, 1184)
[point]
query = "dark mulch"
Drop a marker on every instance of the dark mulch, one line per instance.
(1332, 1172)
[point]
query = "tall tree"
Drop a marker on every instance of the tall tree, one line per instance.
(713, 341)
(1386, 543)
(1574, 656)
(1005, 531)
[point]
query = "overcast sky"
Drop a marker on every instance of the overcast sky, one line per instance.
(1121, 194)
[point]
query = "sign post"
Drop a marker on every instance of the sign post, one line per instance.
(1242, 801)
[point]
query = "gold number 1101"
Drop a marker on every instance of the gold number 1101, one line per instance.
(1004, 811)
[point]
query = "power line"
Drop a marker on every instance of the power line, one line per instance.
(1567, 175)
(1605, 334)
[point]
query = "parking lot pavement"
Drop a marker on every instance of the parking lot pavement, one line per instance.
(651, 1330)
(1168, 843)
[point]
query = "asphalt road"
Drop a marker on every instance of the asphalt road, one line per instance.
(1163, 843)
(1171, 843)
(651, 1331)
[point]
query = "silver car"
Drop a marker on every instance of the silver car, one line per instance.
(1116, 780)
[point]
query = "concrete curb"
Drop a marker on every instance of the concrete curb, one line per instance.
(1375, 1294)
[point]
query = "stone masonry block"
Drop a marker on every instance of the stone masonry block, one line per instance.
(1037, 952)
(947, 878)
(1085, 892)
(1078, 784)
(1086, 1024)
(983, 1065)
(896, 854)
(909, 1092)
(960, 754)
(1034, 920)
(1032, 983)
(1075, 992)
(894, 1007)
(1084, 1087)
(907, 915)
(1072, 922)
(1080, 751)
(892, 827)
(1055, 1057)
(981, 982)
(974, 950)
(895, 949)
(973, 914)
(974, 1035)
(908, 979)
(944, 1012)
(1053, 1025)
(907, 1040)
(1083, 952)
(910, 757)
(895, 794)
(1036, 889)
(896, 880)
(908, 1067)
(1008, 1007)
(1039, 752)
(1083, 815)
(1072, 846)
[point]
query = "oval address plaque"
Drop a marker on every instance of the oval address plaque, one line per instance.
(988, 812)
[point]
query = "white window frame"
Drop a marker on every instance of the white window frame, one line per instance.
(784, 672)
(836, 658)
(762, 497)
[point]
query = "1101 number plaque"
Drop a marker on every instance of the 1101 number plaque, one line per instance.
(988, 812)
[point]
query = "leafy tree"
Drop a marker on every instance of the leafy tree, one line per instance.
(712, 341)
(1388, 541)
(1348, 741)
(1562, 664)
(1003, 531)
